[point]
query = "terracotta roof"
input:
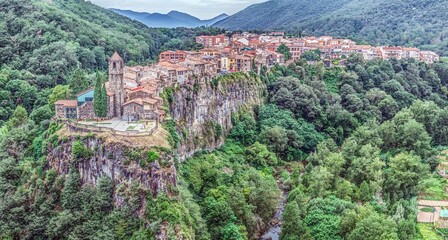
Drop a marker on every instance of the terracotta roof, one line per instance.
(116, 57)
(411, 49)
(392, 48)
(147, 89)
(150, 101)
(141, 101)
(136, 101)
(158, 98)
(67, 103)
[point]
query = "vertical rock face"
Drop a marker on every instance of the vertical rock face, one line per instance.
(200, 111)
(118, 162)
(203, 116)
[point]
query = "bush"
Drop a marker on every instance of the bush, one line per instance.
(153, 156)
(80, 151)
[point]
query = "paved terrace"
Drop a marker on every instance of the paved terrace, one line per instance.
(430, 217)
(116, 127)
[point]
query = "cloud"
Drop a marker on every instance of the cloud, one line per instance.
(200, 8)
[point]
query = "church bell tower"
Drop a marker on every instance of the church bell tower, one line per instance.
(116, 84)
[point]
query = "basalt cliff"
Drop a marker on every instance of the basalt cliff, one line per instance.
(202, 117)
(203, 112)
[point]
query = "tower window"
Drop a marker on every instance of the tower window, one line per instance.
(115, 65)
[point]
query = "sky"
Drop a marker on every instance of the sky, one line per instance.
(203, 9)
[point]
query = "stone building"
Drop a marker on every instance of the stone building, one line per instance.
(66, 109)
(128, 98)
(116, 85)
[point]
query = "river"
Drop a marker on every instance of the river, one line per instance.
(276, 224)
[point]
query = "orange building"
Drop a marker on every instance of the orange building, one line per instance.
(172, 56)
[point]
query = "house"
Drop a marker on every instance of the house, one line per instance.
(66, 109)
(391, 53)
(276, 34)
(411, 53)
(429, 57)
(137, 109)
(174, 56)
(213, 41)
(124, 96)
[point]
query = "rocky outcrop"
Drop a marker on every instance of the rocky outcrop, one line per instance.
(203, 117)
(203, 113)
(124, 165)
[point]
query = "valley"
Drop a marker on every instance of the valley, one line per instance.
(110, 129)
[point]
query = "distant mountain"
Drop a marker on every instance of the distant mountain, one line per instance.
(172, 19)
(422, 23)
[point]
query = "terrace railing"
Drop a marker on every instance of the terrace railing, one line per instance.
(73, 126)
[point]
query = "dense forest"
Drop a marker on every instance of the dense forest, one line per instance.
(351, 146)
(419, 23)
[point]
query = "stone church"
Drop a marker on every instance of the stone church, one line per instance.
(132, 95)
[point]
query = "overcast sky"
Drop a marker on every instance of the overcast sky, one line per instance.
(203, 9)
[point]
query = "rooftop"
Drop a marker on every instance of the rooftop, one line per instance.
(67, 103)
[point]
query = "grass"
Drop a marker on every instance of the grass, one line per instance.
(131, 128)
(427, 232)
(427, 209)
(433, 189)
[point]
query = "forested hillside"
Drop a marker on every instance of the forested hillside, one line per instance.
(350, 147)
(49, 43)
(172, 19)
(420, 23)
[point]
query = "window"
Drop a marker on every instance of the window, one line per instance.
(135, 108)
(89, 99)
(114, 65)
(70, 113)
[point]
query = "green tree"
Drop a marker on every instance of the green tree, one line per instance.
(40, 114)
(70, 194)
(258, 155)
(293, 226)
(59, 92)
(18, 118)
(311, 55)
(283, 49)
(78, 81)
(97, 97)
(231, 232)
(375, 227)
(104, 101)
(364, 193)
(403, 176)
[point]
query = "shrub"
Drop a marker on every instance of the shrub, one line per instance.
(80, 151)
(153, 156)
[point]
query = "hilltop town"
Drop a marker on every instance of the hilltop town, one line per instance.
(263, 48)
(133, 93)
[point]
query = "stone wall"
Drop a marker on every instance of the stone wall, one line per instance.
(86, 111)
(128, 110)
(60, 111)
(110, 107)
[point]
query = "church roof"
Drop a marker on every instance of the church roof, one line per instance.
(116, 57)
